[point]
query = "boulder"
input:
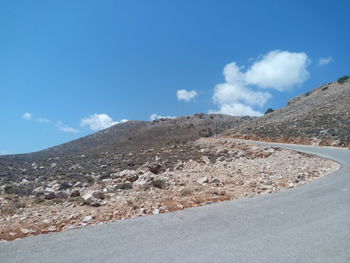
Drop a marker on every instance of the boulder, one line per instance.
(128, 175)
(153, 167)
(144, 181)
(93, 198)
(49, 193)
(61, 194)
(39, 191)
(75, 193)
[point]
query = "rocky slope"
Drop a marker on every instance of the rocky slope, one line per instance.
(319, 117)
(122, 146)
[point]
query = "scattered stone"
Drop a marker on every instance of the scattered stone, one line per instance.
(75, 193)
(52, 229)
(202, 180)
(27, 231)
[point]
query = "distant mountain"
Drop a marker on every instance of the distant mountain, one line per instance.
(319, 117)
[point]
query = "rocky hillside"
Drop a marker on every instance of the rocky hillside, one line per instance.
(225, 169)
(122, 146)
(319, 117)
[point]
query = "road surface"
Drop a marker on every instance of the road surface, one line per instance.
(310, 223)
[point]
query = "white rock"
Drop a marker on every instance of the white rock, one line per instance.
(88, 219)
(202, 180)
(52, 229)
(155, 211)
(27, 231)
(56, 187)
(24, 181)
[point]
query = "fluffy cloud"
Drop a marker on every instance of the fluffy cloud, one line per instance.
(279, 70)
(324, 61)
(186, 95)
(237, 109)
(28, 116)
(155, 116)
(227, 93)
(62, 127)
(99, 121)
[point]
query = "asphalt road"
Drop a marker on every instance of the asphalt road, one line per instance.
(310, 223)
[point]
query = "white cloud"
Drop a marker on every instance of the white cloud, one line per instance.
(237, 109)
(99, 121)
(324, 61)
(186, 95)
(3, 152)
(155, 116)
(228, 93)
(27, 116)
(279, 70)
(42, 120)
(65, 128)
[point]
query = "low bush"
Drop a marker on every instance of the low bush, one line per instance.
(343, 79)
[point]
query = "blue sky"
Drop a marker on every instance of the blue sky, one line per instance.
(69, 68)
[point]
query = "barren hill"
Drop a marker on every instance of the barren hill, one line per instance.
(319, 117)
(122, 146)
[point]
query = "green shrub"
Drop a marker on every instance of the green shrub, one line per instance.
(38, 200)
(343, 79)
(269, 110)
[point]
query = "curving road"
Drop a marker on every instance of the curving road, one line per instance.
(310, 223)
